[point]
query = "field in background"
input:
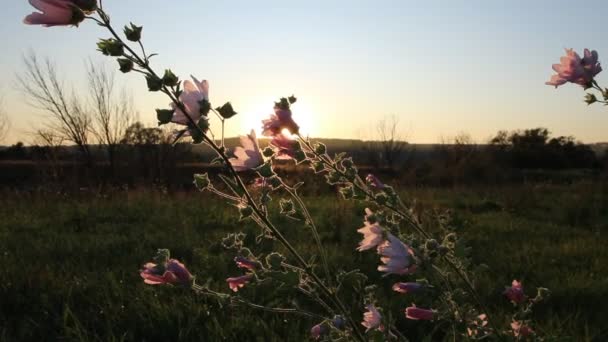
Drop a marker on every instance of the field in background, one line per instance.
(70, 262)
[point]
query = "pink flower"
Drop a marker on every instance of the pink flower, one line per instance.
(283, 146)
(576, 70)
(54, 13)
(479, 323)
(521, 329)
(278, 121)
(319, 330)
(372, 319)
(235, 283)
(415, 313)
(396, 256)
(173, 272)
(243, 262)
(374, 181)
(248, 156)
(407, 287)
(193, 95)
(515, 293)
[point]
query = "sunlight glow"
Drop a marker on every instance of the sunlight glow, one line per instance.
(303, 114)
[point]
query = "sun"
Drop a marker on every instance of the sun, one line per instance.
(303, 115)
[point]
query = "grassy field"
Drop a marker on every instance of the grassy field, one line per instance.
(70, 262)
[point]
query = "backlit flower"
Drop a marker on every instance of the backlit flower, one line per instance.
(374, 181)
(243, 262)
(281, 119)
(396, 256)
(520, 329)
(372, 319)
(54, 13)
(515, 293)
(409, 287)
(416, 313)
(195, 97)
(173, 272)
(372, 236)
(284, 147)
(248, 155)
(319, 330)
(235, 283)
(572, 68)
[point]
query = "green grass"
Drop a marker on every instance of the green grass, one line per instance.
(70, 263)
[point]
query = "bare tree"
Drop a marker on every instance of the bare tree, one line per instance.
(67, 115)
(4, 123)
(112, 109)
(50, 145)
(392, 141)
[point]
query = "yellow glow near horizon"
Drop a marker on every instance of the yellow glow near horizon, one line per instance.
(303, 114)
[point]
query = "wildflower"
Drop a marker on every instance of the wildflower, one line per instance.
(374, 181)
(520, 329)
(396, 256)
(278, 121)
(284, 147)
(248, 156)
(235, 283)
(372, 236)
(416, 313)
(409, 287)
(372, 319)
(54, 13)
(479, 323)
(195, 98)
(243, 262)
(173, 272)
(319, 330)
(574, 69)
(515, 293)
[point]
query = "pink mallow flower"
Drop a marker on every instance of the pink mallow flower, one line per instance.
(319, 330)
(521, 330)
(515, 293)
(374, 181)
(235, 283)
(278, 121)
(243, 262)
(396, 256)
(193, 93)
(372, 319)
(372, 233)
(416, 313)
(574, 69)
(283, 146)
(409, 287)
(173, 272)
(248, 156)
(54, 13)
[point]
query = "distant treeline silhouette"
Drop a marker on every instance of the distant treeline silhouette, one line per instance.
(148, 155)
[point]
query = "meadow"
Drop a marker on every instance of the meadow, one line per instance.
(71, 261)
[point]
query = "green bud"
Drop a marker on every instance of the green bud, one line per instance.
(320, 148)
(154, 83)
(451, 237)
(333, 177)
(274, 182)
(268, 152)
(287, 206)
(358, 194)
(133, 33)
(431, 244)
(110, 47)
(443, 250)
(605, 93)
(226, 111)
(275, 261)
(201, 181)
(245, 211)
(299, 156)
(350, 174)
(542, 293)
(347, 192)
(126, 65)
(381, 198)
(433, 254)
(283, 103)
(78, 16)
(265, 170)
(164, 116)
(318, 166)
(347, 163)
(169, 79)
(590, 98)
(292, 99)
(86, 5)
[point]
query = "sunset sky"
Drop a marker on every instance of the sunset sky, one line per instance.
(442, 67)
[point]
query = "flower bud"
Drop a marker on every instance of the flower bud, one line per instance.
(268, 152)
(347, 163)
(201, 181)
(318, 166)
(245, 211)
(381, 198)
(286, 206)
(126, 65)
(431, 244)
(265, 170)
(347, 192)
(87, 6)
(320, 148)
(590, 98)
(154, 83)
(110, 47)
(133, 33)
(169, 79)
(226, 111)
(292, 99)
(164, 116)
(274, 182)
(299, 156)
(275, 260)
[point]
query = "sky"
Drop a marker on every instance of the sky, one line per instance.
(441, 67)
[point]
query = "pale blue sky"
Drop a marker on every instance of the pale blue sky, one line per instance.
(442, 67)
